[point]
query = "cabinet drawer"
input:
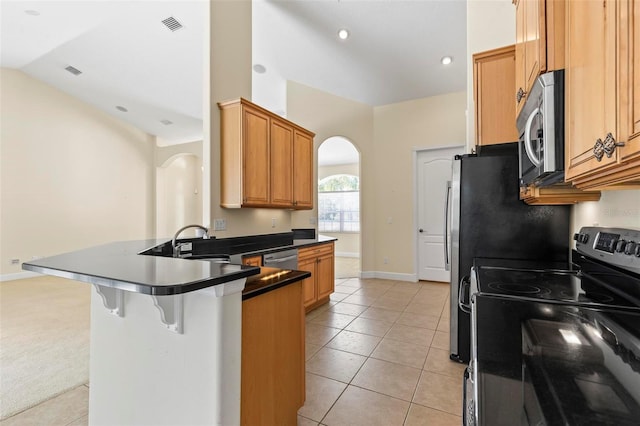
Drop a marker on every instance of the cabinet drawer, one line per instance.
(316, 251)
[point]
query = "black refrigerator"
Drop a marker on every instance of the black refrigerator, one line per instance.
(487, 219)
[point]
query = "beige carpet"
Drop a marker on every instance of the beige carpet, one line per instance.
(44, 340)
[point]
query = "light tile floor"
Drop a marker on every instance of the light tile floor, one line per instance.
(377, 354)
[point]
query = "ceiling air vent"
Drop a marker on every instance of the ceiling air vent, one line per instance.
(172, 23)
(73, 70)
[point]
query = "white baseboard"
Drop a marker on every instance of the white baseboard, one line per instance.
(389, 276)
(347, 254)
(18, 276)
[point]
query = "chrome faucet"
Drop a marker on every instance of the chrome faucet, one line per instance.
(176, 251)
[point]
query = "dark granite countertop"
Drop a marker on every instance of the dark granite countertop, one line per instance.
(296, 244)
(271, 279)
(119, 265)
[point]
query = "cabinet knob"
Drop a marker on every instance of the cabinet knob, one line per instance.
(295, 203)
(610, 145)
(520, 94)
(598, 149)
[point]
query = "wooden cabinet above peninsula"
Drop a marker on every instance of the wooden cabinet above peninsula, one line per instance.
(265, 160)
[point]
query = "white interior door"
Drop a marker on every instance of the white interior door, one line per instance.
(434, 172)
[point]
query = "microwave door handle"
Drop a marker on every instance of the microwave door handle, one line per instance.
(447, 263)
(527, 139)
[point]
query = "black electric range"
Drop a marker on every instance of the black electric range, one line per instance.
(556, 343)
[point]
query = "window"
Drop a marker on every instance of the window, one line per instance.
(339, 204)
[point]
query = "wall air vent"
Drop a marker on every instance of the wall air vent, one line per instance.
(172, 23)
(73, 70)
(166, 122)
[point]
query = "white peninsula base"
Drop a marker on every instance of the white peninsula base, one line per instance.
(143, 373)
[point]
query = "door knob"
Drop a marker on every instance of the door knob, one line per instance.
(420, 230)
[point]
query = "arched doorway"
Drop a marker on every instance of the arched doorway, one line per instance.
(178, 194)
(339, 202)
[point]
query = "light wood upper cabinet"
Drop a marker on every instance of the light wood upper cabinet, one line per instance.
(493, 82)
(281, 164)
(302, 170)
(266, 161)
(601, 95)
(539, 42)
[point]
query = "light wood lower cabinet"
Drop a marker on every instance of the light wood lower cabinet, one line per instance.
(319, 260)
(273, 357)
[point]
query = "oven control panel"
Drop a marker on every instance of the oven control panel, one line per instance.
(616, 246)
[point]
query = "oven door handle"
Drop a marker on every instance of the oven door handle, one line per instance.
(464, 306)
(527, 139)
(468, 409)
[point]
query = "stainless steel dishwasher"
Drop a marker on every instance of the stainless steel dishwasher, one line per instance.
(286, 259)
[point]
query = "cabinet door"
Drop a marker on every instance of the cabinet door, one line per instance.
(281, 164)
(255, 158)
(308, 285)
(303, 171)
(590, 84)
(520, 54)
(535, 59)
(325, 279)
(494, 80)
(630, 77)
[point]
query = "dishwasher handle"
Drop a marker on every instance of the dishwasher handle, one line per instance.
(280, 259)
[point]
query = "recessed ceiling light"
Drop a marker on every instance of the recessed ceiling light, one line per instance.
(166, 122)
(121, 108)
(343, 34)
(446, 60)
(259, 68)
(32, 12)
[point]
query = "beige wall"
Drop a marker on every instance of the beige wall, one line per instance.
(399, 129)
(329, 115)
(71, 175)
(615, 208)
(229, 68)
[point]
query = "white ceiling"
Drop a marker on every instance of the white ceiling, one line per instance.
(129, 58)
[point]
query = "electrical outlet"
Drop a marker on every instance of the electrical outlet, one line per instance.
(273, 222)
(385, 260)
(219, 224)
(312, 221)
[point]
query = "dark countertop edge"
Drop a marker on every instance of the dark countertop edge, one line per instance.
(163, 290)
(296, 244)
(297, 276)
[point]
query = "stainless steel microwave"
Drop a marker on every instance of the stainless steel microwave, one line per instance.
(541, 129)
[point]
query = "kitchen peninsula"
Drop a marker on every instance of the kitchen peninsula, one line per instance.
(166, 333)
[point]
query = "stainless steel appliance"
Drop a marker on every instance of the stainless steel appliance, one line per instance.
(285, 259)
(541, 128)
(488, 220)
(556, 343)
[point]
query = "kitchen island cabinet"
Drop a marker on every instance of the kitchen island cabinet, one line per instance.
(602, 101)
(319, 260)
(266, 160)
(273, 360)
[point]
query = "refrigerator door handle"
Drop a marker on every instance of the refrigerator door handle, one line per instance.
(447, 263)
(464, 306)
